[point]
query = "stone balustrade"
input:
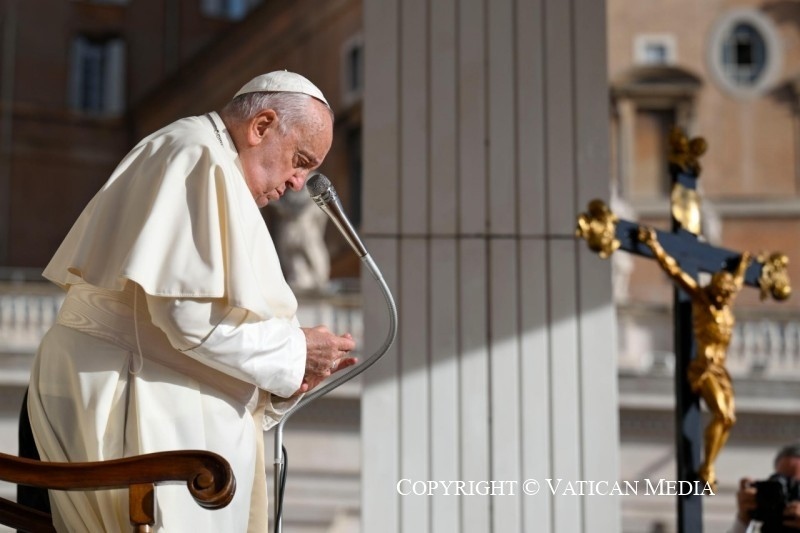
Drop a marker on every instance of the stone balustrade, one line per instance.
(765, 344)
(27, 310)
(24, 318)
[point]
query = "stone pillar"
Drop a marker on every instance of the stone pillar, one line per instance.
(626, 111)
(486, 133)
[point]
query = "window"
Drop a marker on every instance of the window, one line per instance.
(648, 101)
(352, 70)
(744, 52)
(119, 2)
(228, 9)
(655, 53)
(97, 75)
(355, 165)
(654, 49)
(651, 179)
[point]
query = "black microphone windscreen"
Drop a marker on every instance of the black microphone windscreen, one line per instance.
(317, 184)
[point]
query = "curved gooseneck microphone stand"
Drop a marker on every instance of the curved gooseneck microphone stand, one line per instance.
(324, 195)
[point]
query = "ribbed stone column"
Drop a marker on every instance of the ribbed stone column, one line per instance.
(486, 133)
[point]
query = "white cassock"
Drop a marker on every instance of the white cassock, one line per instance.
(178, 332)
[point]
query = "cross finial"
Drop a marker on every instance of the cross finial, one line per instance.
(684, 152)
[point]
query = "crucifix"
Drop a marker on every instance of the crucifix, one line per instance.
(703, 315)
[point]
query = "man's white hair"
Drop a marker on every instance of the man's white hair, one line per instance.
(291, 108)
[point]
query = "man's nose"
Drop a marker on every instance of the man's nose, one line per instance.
(297, 180)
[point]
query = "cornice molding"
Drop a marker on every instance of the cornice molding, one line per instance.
(726, 208)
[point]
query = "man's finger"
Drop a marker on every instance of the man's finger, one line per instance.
(346, 344)
(343, 363)
(347, 361)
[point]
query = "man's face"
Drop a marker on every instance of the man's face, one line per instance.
(788, 466)
(280, 161)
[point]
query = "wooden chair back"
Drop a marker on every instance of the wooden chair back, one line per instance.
(208, 477)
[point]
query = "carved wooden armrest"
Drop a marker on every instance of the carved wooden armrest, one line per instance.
(208, 477)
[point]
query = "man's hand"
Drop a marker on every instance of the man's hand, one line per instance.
(647, 235)
(791, 515)
(745, 500)
(326, 354)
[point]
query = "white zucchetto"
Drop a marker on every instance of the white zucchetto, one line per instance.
(282, 81)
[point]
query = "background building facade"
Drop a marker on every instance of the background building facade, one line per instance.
(725, 71)
(79, 87)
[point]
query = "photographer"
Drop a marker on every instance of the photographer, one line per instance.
(778, 504)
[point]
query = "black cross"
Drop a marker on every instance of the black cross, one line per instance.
(605, 233)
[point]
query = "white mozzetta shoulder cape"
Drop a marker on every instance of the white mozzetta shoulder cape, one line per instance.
(177, 218)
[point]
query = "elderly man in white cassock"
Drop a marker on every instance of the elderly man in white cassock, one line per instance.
(178, 330)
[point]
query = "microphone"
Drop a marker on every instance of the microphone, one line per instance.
(324, 195)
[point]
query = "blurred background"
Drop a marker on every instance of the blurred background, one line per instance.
(81, 81)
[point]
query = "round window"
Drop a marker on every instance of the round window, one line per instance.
(744, 52)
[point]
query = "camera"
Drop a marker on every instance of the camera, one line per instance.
(772, 495)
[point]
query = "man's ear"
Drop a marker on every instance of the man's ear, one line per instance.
(261, 125)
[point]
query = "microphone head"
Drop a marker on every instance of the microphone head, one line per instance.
(318, 184)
